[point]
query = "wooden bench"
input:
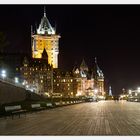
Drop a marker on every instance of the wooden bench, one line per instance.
(49, 105)
(63, 103)
(57, 103)
(14, 110)
(37, 107)
(68, 102)
(71, 102)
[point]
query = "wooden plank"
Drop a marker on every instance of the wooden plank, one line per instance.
(101, 118)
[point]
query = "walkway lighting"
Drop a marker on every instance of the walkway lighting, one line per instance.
(138, 89)
(3, 74)
(96, 91)
(16, 80)
(129, 91)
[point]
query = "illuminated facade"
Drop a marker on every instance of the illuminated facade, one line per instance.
(85, 81)
(41, 72)
(37, 74)
(45, 37)
(89, 82)
(63, 82)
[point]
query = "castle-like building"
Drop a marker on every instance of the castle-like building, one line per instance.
(42, 74)
(45, 37)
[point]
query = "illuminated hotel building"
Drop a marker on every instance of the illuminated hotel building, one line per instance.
(43, 76)
(46, 38)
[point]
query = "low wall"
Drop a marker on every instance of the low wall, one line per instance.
(10, 93)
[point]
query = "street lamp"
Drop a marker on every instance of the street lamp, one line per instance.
(129, 91)
(138, 89)
(3, 74)
(96, 91)
(16, 80)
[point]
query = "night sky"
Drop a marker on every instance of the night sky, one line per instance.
(110, 33)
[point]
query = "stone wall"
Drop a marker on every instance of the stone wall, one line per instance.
(10, 93)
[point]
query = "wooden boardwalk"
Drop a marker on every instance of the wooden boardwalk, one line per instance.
(101, 118)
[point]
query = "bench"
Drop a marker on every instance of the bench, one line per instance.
(37, 107)
(57, 103)
(63, 103)
(14, 110)
(68, 102)
(49, 105)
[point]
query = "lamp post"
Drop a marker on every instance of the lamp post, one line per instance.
(138, 89)
(16, 80)
(3, 74)
(96, 91)
(130, 91)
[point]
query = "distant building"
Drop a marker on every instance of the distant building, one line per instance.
(89, 82)
(110, 91)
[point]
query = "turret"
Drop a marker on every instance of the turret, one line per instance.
(45, 27)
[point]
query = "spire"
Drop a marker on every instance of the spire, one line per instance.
(45, 26)
(110, 91)
(44, 54)
(95, 60)
(44, 11)
(98, 71)
(83, 65)
(97, 67)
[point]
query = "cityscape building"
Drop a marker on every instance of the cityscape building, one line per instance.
(43, 76)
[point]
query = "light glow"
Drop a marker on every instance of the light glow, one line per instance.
(16, 80)
(138, 89)
(79, 93)
(96, 91)
(130, 91)
(3, 74)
